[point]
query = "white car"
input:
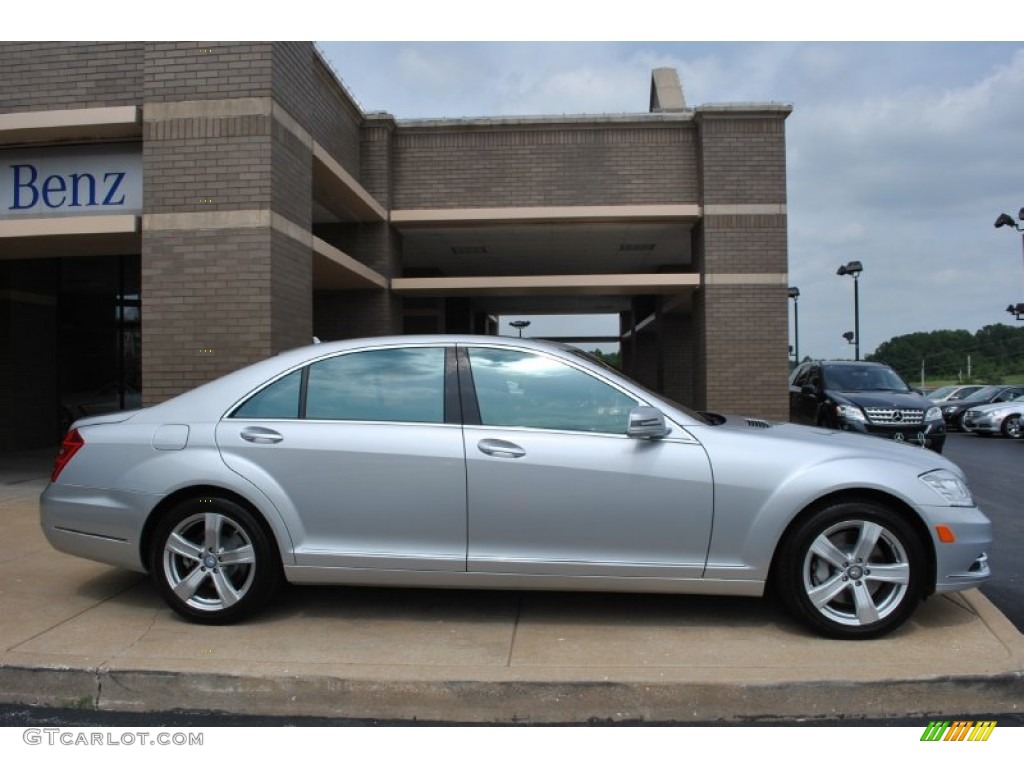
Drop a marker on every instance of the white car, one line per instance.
(996, 418)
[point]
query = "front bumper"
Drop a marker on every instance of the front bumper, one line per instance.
(983, 423)
(930, 435)
(962, 564)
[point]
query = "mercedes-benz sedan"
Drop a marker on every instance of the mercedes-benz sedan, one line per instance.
(1006, 419)
(500, 463)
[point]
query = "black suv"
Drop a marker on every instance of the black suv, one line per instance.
(864, 397)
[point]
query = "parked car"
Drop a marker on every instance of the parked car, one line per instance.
(953, 413)
(953, 392)
(996, 418)
(864, 397)
(489, 462)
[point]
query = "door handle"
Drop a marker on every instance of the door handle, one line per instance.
(501, 448)
(261, 435)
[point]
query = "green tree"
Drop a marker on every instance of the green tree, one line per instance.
(994, 351)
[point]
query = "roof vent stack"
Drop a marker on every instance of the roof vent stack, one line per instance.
(666, 91)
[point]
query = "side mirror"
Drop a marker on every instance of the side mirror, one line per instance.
(647, 422)
(806, 389)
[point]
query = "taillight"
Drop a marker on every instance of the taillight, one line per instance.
(72, 442)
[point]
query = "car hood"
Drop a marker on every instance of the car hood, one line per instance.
(882, 399)
(829, 444)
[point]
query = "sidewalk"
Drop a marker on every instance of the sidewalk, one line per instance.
(76, 633)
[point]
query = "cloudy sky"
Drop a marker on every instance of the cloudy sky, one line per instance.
(901, 155)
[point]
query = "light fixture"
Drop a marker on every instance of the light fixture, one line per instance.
(851, 268)
(519, 325)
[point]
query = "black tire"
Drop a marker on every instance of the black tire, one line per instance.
(1012, 427)
(824, 585)
(212, 561)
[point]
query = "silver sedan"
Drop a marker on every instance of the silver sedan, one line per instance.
(1006, 419)
(499, 463)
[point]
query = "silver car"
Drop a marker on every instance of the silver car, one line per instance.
(996, 418)
(488, 462)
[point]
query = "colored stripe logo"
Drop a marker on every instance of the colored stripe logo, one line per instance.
(959, 730)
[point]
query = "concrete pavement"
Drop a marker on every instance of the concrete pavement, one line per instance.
(76, 633)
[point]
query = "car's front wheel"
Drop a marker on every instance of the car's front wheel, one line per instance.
(853, 571)
(1012, 427)
(212, 561)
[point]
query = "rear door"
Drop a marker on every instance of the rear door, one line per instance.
(364, 457)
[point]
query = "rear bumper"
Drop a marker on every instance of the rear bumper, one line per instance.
(97, 524)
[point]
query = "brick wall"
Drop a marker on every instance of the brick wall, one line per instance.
(334, 119)
(746, 350)
(216, 299)
(355, 314)
(206, 306)
(291, 293)
(291, 177)
(744, 159)
(207, 164)
(377, 159)
(675, 332)
(352, 314)
(190, 71)
(741, 328)
(751, 244)
(495, 166)
(68, 75)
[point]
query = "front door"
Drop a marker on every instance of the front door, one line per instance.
(555, 487)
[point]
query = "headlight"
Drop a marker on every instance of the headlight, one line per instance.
(949, 487)
(949, 409)
(851, 413)
(933, 414)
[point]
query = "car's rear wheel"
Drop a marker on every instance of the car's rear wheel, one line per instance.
(1012, 427)
(212, 561)
(852, 571)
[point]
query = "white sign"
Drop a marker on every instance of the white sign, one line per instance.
(71, 181)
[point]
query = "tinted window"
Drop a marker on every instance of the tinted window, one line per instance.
(520, 389)
(378, 385)
(278, 401)
(801, 375)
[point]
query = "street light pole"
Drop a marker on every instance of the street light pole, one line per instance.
(856, 317)
(794, 294)
(853, 269)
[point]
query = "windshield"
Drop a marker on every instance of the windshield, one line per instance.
(863, 378)
(985, 393)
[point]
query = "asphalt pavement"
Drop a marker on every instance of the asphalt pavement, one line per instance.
(85, 635)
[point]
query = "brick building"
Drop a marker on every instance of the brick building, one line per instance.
(172, 211)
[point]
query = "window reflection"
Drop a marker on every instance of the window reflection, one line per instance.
(521, 389)
(379, 385)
